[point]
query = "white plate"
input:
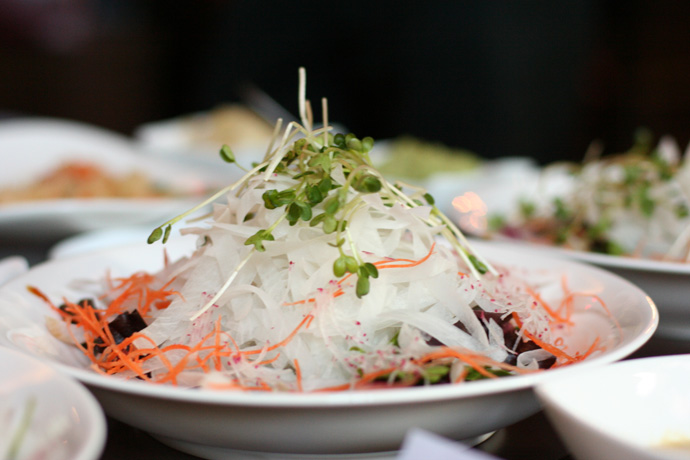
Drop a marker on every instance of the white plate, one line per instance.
(30, 148)
(65, 421)
(11, 267)
(633, 410)
(217, 424)
(667, 283)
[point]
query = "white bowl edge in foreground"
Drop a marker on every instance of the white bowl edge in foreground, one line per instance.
(66, 422)
(632, 410)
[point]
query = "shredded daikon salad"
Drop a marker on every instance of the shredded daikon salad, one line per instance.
(314, 273)
(636, 203)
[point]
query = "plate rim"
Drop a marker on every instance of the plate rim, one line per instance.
(603, 260)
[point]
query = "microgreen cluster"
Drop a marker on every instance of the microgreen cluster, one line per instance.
(310, 166)
(316, 199)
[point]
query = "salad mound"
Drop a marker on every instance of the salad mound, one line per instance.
(313, 273)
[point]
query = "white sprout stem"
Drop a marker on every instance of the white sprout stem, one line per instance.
(274, 136)
(353, 249)
(302, 95)
(278, 155)
(225, 286)
(351, 240)
(310, 115)
(324, 114)
(290, 131)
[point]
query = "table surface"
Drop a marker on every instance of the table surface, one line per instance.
(529, 439)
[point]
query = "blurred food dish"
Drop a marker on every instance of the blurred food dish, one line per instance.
(417, 160)
(83, 180)
(636, 204)
(199, 136)
(61, 177)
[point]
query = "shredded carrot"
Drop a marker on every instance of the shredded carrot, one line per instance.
(552, 313)
(474, 360)
(557, 352)
(306, 321)
(298, 375)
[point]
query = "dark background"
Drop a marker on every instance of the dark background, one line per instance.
(533, 78)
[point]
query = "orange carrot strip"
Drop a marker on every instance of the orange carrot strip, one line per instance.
(551, 312)
(557, 352)
(282, 342)
(298, 375)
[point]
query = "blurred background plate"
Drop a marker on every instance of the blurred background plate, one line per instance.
(31, 148)
(197, 137)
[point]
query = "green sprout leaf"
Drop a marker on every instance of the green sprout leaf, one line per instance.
(226, 154)
(325, 185)
(166, 235)
(351, 264)
(368, 183)
(362, 287)
(257, 240)
(434, 374)
(367, 144)
(481, 268)
(332, 205)
(330, 224)
(314, 194)
(339, 267)
(371, 270)
(155, 235)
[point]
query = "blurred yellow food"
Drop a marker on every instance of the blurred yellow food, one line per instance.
(229, 124)
(412, 158)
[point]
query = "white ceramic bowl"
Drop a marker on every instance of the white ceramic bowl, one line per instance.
(220, 424)
(632, 410)
(64, 421)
